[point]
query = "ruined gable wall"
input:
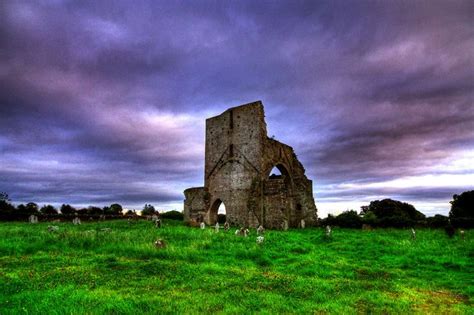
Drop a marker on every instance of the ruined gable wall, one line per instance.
(234, 145)
(293, 199)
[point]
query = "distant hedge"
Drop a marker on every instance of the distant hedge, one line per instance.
(173, 215)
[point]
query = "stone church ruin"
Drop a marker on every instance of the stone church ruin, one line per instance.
(239, 157)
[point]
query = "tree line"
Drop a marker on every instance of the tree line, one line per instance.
(398, 214)
(10, 212)
(379, 213)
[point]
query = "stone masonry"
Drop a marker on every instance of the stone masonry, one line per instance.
(239, 157)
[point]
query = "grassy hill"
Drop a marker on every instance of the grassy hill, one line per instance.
(82, 269)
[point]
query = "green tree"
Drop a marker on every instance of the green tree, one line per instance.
(94, 211)
(28, 209)
(393, 208)
(32, 208)
(68, 209)
(114, 209)
(4, 196)
(130, 213)
(48, 209)
(5, 206)
(462, 206)
(148, 210)
(462, 210)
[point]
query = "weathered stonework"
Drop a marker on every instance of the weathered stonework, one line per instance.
(239, 157)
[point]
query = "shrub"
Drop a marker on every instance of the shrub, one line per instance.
(349, 219)
(173, 215)
(395, 221)
(48, 209)
(438, 221)
(369, 218)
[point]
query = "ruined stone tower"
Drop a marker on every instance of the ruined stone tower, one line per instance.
(238, 160)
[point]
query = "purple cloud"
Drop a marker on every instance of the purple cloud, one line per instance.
(105, 102)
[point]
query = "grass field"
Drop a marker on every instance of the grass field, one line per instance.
(80, 269)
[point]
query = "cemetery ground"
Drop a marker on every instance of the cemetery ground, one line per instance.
(84, 269)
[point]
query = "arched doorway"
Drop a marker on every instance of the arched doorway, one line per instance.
(221, 213)
(217, 212)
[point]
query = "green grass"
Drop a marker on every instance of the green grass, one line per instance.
(81, 269)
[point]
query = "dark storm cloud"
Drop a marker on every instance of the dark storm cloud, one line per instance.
(106, 101)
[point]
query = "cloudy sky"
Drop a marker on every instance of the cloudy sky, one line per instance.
(105, 102)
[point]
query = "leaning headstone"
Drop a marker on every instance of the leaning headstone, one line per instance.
(413, 234)
(260, 230)
(463, 235)
(246, 232)
(33, 219)
(285, 225)
(302, 224)
(217, 227)
(202, 225)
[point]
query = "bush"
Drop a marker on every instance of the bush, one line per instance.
(465, 223)
(48, 209)
(438, 221)
(369, 218)
(396, 222)
(173, 215)
(329, 220)
(348, 219)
